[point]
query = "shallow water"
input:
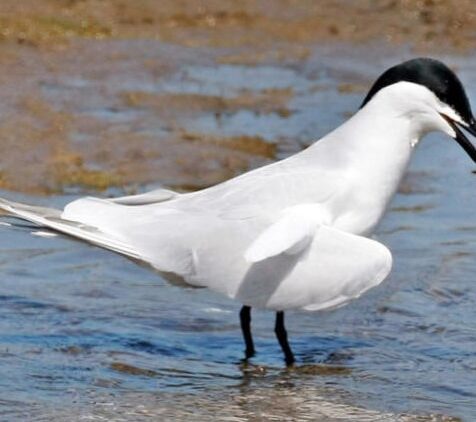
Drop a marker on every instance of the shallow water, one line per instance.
(88, 335)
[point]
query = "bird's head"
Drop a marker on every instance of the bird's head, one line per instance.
(430, 93)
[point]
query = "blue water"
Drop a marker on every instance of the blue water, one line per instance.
(88, 335)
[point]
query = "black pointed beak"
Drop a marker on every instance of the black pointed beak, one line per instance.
(471, 128)
(461, 137)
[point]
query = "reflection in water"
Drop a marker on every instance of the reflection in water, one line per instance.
(279, 400)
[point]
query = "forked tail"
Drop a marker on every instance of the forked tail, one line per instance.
(51, 219)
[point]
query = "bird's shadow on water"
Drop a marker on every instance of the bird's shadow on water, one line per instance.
(252, 375)
(330, 350)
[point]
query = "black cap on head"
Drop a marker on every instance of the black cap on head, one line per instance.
(433, 74)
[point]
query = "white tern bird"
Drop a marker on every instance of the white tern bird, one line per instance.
(292, 234)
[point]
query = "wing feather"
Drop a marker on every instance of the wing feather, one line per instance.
(336, 268)
(290, 234)
(147, 198)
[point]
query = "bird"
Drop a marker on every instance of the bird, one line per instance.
(293, 234)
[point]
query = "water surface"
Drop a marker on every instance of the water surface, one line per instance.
(88, 335)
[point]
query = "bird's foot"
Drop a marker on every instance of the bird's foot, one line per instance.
(249, 353)
(290, 361)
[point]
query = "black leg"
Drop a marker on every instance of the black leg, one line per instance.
(283, 338)
(245, 319)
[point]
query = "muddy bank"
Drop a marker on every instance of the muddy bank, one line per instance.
(427, 23)
(97, 116)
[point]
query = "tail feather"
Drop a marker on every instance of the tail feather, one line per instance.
(51, 218)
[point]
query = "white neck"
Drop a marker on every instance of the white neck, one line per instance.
(372, 151)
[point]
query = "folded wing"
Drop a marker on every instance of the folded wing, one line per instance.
(298, 263)
(290, 234)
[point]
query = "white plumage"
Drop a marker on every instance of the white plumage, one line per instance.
(290, 235)
(293, 234)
